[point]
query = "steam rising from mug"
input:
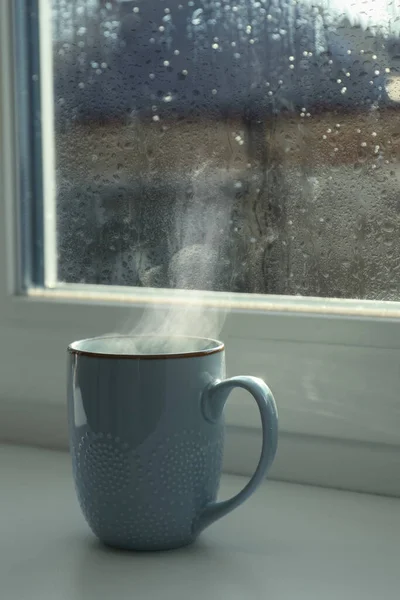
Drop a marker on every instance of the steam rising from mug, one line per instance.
(198, 245)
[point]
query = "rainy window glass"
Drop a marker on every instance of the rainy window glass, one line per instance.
(229, 145)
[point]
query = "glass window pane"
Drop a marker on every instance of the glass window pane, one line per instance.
(238, 145)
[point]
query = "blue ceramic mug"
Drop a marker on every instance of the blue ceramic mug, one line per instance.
(146, 433)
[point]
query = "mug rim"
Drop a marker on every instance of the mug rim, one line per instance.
(74, 348)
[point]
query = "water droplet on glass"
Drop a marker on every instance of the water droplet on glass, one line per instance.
(197, 17)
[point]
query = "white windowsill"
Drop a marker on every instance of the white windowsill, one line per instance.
(288, 541)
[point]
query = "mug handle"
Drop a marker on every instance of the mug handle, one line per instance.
(213, 402)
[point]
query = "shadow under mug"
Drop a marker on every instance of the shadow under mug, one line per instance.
(146, 433)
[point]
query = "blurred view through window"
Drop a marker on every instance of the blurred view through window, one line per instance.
(238, 145)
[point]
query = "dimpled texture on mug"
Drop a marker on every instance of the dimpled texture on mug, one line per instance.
(146, 499)
(103, 463)
(190, 465)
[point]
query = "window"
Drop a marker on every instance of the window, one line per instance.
(180, 141)
(235, 159)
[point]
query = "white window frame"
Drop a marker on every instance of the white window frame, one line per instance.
(334, 365)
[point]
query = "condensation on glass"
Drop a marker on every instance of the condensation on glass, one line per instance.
(239, 145)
